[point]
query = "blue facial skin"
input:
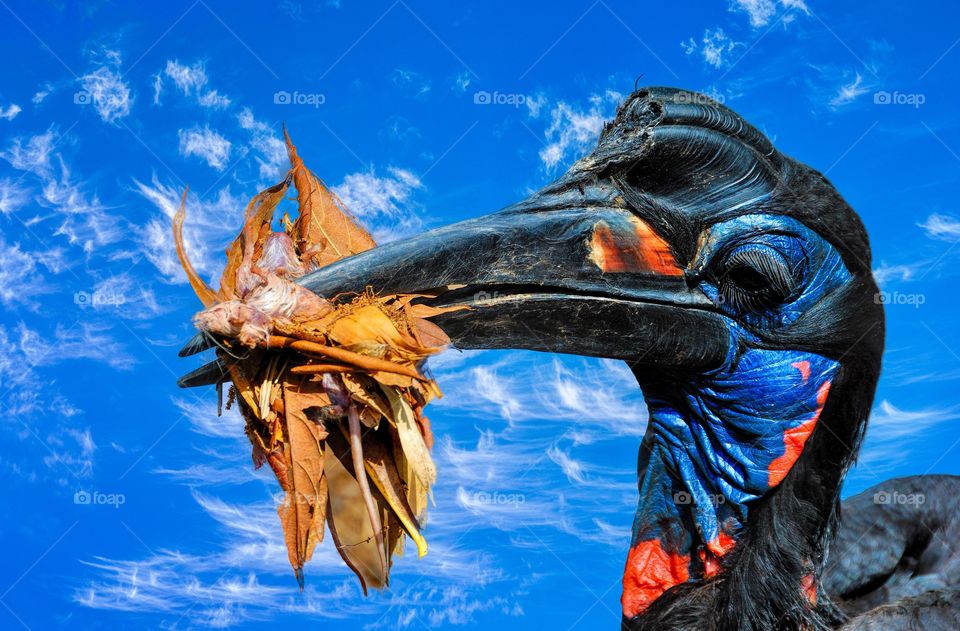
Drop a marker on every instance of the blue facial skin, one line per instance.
(711, 441)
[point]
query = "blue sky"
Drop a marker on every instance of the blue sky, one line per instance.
(108, 111)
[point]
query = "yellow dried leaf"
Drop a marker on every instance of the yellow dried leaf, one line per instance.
(414, 449)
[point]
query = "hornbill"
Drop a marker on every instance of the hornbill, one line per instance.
(736, 283)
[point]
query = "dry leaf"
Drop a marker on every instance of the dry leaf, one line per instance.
(303, 511)
(324, 232)
(414, 449)
(347, 517)
(206, 295)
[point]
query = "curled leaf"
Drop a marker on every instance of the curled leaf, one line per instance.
(206, 295)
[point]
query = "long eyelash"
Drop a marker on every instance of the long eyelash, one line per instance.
(780, 278)
(770, 267)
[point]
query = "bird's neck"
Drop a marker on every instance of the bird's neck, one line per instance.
(728, 519)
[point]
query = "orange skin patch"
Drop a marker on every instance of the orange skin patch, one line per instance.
(809, 587)
(716, 550)
(794, 440)
(804, 368)
(650, 571)
(631, 247)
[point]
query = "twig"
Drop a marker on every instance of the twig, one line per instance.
(363, 362)
(356, 450)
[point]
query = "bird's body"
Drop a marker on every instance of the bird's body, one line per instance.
(737, 284)
(895, 553)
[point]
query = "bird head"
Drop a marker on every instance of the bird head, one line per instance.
(736, 283)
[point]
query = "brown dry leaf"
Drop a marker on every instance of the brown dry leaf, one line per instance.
(206, 295)
(249, 243)
(369, 327)
(304, 509)
(382, 469)
(429, 334)
(325, 231)
(364, 391)
(347, 516)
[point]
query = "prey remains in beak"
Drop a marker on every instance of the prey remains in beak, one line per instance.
(332, 394)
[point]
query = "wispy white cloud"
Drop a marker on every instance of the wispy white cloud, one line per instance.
(10, 112)
(848, 92)
(384, 203)
(206, 144)
(941, 227)
(124, 296)
(904, 272)
(105, 89)
(893, 432)
(27, 394)
(84, 221)
(600, 395)
(76, 453)
(265, 141)
(715, 47)
(461, 82)
(12, 196)
(83, 341)
(411, 83)
(41, 94)
(571, 468)
(191, 81)
(32, 154)
(761, 12)
(21, 279)
(572, 130)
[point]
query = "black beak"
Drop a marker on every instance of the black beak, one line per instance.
(573, 271)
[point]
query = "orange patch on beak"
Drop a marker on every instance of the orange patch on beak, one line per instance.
(631, 246)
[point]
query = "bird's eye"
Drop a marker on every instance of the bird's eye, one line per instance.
(756, 277)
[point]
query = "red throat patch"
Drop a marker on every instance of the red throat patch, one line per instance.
(650, 571)
(714, 551)
(794, 440)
